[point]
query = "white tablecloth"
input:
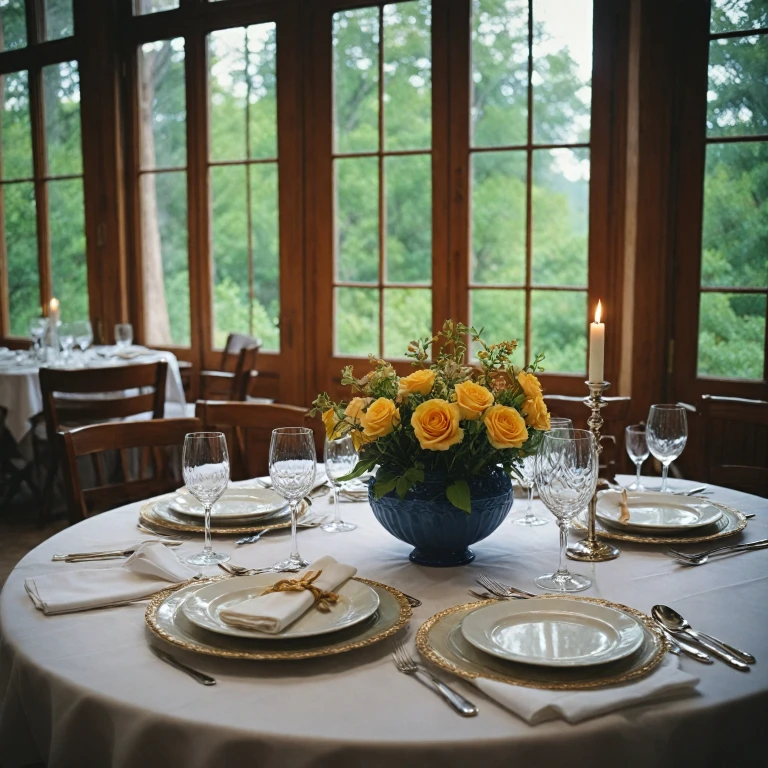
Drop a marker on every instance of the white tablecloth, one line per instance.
(20, 388)
(84, 690)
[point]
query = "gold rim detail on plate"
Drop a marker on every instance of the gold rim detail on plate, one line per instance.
(731, 523)
(393, 614)
(478, 664)
(147, 515)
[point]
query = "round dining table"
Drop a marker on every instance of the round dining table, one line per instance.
(84, 689)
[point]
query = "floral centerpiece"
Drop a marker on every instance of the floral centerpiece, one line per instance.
(446, 433)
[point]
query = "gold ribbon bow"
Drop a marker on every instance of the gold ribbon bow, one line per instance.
(323, 599)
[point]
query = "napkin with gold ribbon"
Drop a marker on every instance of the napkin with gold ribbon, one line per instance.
(272, 612)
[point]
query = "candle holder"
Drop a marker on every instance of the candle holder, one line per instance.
(591, 549)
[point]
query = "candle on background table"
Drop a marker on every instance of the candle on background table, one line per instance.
(53, 310)
(596, 348)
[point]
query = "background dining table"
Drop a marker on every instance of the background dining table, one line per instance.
(84, 689)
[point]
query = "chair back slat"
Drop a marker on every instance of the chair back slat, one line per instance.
(236, 342)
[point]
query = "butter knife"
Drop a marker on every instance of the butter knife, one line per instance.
(200, 677)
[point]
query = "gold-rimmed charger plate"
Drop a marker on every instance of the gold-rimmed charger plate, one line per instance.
(732, 522)
(174, 521)
(441, 641)
(165, 619)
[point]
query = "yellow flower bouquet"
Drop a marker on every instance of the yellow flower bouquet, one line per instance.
(446, 417)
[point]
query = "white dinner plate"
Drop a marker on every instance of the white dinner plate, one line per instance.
(653, 511)
(553, 632)
(162, 513)
(356, 603)
(234, 503)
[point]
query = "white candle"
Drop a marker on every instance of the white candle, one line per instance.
(53, 310)
(596, 348)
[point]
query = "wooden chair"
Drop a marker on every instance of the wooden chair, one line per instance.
(249, 426)
(151, 436)
(14, 468)
(735, 451)
(615, 416)
(238, 366)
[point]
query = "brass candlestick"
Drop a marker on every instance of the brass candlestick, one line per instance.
(590, 549)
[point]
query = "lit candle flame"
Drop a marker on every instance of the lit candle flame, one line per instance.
(598, 312)
(54, 304)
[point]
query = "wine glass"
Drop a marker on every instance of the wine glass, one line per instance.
(666, 433)
(37, 328)
(526, 472)
(83, 335)
(205, 464)
(637, 449)
(566, 476)
(124, 335)
(67, 339)
(559, 422)
(340, 460)
(292, 466)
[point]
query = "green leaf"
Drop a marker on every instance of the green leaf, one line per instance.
(458, 494)
(414, 475)
(385, 482)
(403, 484)
(360, 469)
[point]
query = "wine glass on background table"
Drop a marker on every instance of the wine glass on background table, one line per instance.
(83, 335)
(566, 476)
(37, 328)
(67, 339)
(666, 433)
(292, 467)
(637, 449)
(123, 335)
(205, 463)
(340, 460)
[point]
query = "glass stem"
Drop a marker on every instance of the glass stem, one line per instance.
(638, 464)
(562, 570)
(336, 508)
(529, 493)
(664, 473)
(207, 548)
(294, 543)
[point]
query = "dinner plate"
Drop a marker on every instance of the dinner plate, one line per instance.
(356, 603)
(553, 632)
(167, 513)
(653, 511)
(234, 503)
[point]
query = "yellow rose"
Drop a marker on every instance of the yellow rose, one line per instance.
(505, 426)
(330, 419)
(418, 383)
(472, 399)
(436, 424)
(530, 384)
(380, 419)
(354, 410)
(536, 413)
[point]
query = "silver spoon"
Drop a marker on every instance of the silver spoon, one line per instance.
(676, 623)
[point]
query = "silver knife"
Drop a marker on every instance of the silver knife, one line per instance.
(686, 648)
(201, 677)
(107, 554)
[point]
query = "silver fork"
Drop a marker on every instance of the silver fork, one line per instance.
(405, 664)
(239, 570)
(701, 557)
(502, 590)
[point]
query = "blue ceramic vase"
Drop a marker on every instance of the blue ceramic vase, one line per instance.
(440, 532)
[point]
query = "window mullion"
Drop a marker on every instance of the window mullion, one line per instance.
(529, 189)
(382, 207)
(40, 170)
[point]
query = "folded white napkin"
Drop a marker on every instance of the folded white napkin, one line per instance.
(535, 705)
(272, 613)
(148, 570)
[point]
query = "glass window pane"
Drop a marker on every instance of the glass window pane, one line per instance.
(408, 75)
(163, 115)
(16, 159)
(69, 275)
(357, 321)
(13, 26)
(409, 218)
(142, 7)
(58, 19)
(165, 258)
(732, 335)
(735, 227)
(407, 316)
(266, 255)
(499, 72)
(357, 220)
(229, 93)
(560, 213)
(501, 315)
(20, 232)
(559, 330)
(498, 217)
(262, 94)
(356, 79)
(728, 15)
(562, 71)
(738, 80)
(61, 89)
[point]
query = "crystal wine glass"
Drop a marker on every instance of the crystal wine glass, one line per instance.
(637, 449)
(666, 433)
(340, 460)
(526, 471)
(292, 466)
(205, 464)
(67, 339)
(83, 335)
(37, 328)
(124, 335)
(559, 422)
(566, 476)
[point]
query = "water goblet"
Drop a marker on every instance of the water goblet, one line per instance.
(123, 335)
(205, 463)
(340, 460)
(292, 466)
(637, 450)
(666, 433)
(566, 476)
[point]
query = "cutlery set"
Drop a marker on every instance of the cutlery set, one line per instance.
(703, 557)
(107, 554)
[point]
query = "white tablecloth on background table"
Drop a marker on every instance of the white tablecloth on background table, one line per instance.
(20, 388)
(84, 690)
